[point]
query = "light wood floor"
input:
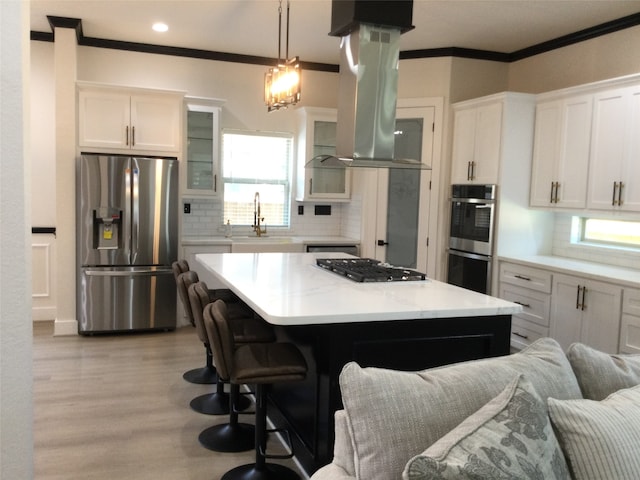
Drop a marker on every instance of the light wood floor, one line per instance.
(117, 408)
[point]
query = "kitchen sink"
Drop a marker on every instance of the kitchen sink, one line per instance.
(266, 243)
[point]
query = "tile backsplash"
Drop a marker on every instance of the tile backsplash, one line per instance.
(564, 245)
(206, 220)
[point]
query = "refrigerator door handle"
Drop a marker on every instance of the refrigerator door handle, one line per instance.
(135, 205)
(127, 273)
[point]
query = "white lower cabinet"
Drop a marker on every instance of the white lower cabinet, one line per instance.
(630, 323)
(585, 311)
(531, 288)
(570, 308)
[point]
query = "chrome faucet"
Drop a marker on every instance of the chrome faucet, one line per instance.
(257, 219)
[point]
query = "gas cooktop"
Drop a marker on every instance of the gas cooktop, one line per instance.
(368, 270)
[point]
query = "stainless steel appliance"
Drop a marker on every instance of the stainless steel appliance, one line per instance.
(127, 238)
(471, 236)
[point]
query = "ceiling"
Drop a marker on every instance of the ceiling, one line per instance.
(250, 27)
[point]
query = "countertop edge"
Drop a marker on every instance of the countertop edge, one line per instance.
(300, 239)
(626, 277)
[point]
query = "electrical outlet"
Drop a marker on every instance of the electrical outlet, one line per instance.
(187, 208)
(300, 209)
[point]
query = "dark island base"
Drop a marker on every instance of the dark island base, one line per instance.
(307, 408)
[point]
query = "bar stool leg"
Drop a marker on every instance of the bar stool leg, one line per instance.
(204, 375)
(261, 470)
(229, 437)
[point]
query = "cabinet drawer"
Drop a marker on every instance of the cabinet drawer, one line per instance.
(631, 301)
(527, 277)
(524, 333)
(535, 305)
(630, 334)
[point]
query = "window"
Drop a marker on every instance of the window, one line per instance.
(620, 233)
(257, 162)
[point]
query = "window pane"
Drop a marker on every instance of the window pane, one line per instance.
(616, 232)
(256, 162)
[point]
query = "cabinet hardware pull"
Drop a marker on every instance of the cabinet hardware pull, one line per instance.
(620, 193)
(215, 183)
(311, 186)
(557, 199)
(578, 298)
(553, 184)
(473, 169)
(615, 189)
(584, 292)
(468, 170)
(522, 277)
(133, 136)
(126, 134)
(525, 305)
(520, 335)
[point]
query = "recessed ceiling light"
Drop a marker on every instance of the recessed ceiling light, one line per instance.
(160, 27)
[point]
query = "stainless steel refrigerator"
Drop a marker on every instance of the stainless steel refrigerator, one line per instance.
(127, 238)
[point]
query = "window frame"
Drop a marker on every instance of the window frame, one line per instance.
(285, 182)
(583, 238)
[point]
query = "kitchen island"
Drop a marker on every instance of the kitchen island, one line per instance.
(408, 325)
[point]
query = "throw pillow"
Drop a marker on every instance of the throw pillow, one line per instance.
(394, 415)
(601, 374)
(510, 437)
(600, 440)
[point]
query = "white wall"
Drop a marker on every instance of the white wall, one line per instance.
(16, 387)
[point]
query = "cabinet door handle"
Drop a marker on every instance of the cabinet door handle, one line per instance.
(468, 170)
(133, 136)
(615, 190)
(126, 134)
(522, 277)
(520, 335)
(620, 193)
(525, 305)
(215, 183)
(473, 169)
(557, 197)
(311, 186)
(578, 298)
(584, 293)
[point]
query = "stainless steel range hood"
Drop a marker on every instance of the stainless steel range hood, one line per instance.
(368, 85)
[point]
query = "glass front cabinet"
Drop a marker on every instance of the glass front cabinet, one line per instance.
(201, 174)
(318, 177)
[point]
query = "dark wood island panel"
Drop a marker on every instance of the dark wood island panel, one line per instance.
(307, 408)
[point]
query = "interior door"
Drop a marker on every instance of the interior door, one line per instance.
(402, 227)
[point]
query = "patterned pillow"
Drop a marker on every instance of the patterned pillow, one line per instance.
(510, 437)
(601, 440)
(601, 374)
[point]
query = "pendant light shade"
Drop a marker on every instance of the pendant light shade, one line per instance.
(282, 82)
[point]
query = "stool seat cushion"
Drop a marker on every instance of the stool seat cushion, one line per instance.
(265, 363)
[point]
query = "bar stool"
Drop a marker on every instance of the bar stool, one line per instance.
(233, 436)
(204, 375)
(217, 403)
(262, 364)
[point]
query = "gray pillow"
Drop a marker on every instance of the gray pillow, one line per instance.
(600, 440)
(510, 437)
(600, 374)
(393, 415)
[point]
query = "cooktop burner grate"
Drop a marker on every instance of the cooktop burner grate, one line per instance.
(368, 270)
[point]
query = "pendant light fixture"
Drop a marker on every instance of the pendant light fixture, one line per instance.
(282, 82)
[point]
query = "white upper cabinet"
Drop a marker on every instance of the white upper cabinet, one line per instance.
(614, 175)
(561, 152)
(477, 133)
(115, 119)
(319, 179)
(201, 168)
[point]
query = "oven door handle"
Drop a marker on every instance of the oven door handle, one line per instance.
(473, 256)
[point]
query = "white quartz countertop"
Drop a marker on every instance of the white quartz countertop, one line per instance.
(303, 240)
(594, 271)
(290, 289)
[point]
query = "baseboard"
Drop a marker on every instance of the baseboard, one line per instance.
(65, 327)
(43, 313)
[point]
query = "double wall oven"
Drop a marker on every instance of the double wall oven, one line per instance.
(471, 236)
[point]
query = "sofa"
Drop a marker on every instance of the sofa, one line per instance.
(539, 413)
